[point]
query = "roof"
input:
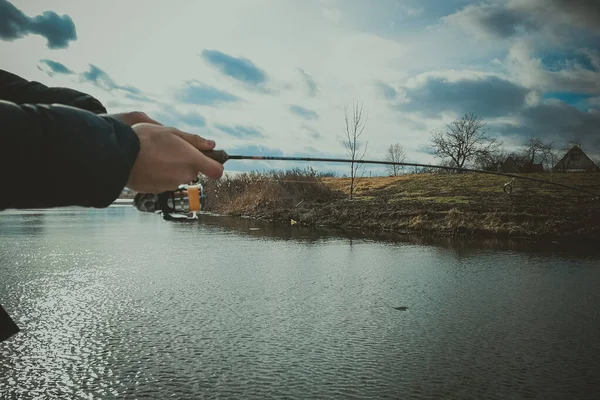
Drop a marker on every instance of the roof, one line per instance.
(576, 160)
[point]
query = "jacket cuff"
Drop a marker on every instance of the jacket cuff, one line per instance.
(128, 145)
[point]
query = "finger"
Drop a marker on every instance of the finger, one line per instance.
(197, 141)
(149, 120)
(208, 166)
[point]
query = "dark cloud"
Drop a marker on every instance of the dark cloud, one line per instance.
(194, 92)
(311, 86)
(303, 112)
(487, 96)
(493, 19)
(14, 24)
(554, 120)
(586, 12)
(240, 69)
(54, 67)
(240, 131)
(561, 18)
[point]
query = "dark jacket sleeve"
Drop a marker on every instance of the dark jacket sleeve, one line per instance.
(7, 326)
(55, 155)
(17, 90)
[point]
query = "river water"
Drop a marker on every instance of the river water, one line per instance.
(115, 303)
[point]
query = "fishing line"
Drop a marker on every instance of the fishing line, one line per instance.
(190, 199)
(221, 156)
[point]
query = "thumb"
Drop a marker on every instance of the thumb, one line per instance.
(197, 141)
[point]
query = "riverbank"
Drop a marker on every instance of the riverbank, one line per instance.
(469, 205)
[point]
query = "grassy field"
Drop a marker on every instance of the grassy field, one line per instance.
(446, 204)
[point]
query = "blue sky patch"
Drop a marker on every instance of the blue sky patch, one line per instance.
(560, 61)
(574, 99)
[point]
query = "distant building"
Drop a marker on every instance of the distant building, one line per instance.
(576, 161)
(531, 168)
(509, 166)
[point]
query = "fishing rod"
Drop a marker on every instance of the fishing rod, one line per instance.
(191, 198)
(222, 157)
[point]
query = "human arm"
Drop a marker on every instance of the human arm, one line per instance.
(16, 89)
(54, 155)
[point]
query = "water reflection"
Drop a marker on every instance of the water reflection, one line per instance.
(29, 224)
(460, 247)
(120, 304)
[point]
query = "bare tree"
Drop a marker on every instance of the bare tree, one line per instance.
(520, 159)
(463, 140)
(535, 151)
(395, 154)
(491, 160)
(354, 127)
(575, 141)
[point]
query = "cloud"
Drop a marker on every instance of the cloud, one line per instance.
(240, 131)
(594, 102)
(195, 92)
(54, 67)
(253, 165)
(554, 120)
(485, 95)
(169, 116)
(14, 24)
(388, 92)
(241, 69)
(311, 86)
(303, 112)
(256, 150)
(102, 80)
(568, 60)
(553, 19)
(313, 133)
(193, 119)
(576, 12)
(572, 71)
(491, 20)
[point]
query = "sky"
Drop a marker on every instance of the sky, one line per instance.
(273, 77)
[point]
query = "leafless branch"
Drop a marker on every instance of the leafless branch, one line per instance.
(354, 125)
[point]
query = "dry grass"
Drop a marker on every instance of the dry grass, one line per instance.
(251, 192)
(455, 204)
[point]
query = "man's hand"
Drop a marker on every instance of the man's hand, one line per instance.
(134, 117)
(168, 158)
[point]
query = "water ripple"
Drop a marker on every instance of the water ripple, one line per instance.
(114, 304)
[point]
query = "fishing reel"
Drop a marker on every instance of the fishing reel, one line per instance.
(181, 204)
